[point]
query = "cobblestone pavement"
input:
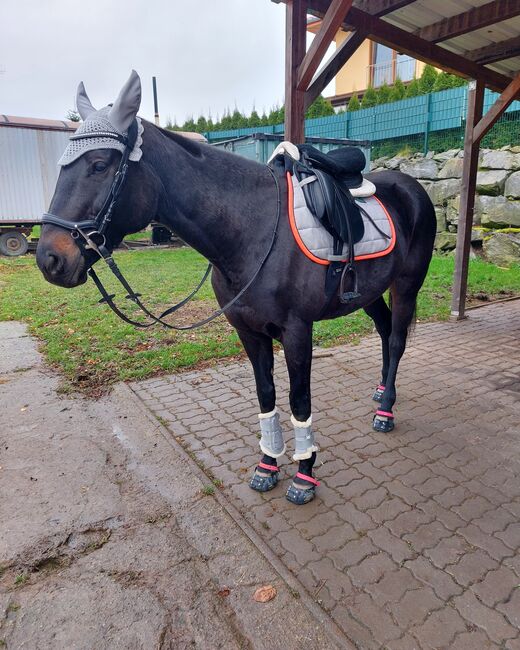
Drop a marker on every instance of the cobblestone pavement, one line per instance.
(413, 541)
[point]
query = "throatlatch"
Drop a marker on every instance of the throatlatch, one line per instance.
(271, 442)
(304, 444)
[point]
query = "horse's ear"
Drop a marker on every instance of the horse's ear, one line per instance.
(127, 104)
(83, 104)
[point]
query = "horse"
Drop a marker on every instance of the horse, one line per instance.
(228, 208)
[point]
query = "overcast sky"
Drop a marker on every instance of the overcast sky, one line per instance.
(206, 54)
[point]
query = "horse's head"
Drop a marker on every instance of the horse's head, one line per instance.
(104, 150)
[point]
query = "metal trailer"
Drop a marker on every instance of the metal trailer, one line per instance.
(29, 153)
(259, 146)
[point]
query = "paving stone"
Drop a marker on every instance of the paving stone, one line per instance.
(497, 586)
(439, 629)
(491, 621)
(511, 608)
(415, 606)
(420, 520)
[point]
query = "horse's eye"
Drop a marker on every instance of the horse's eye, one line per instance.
(100, 166)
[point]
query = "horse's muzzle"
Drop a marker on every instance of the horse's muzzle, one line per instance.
(62, 269)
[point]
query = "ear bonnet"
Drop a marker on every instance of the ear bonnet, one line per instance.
(111, 120)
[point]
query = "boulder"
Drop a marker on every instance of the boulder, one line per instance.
(491, 182)
(498, 160)
(380, 162)
(443, 190)
(443, 156)
(512, 188)
(515, 149)
(499, 212)
(502, 248)
(452, 168)
(453, 208)
(422, 168)
(395, 162)
(440, 215)
(445, 241)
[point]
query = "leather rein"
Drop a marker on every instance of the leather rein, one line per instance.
(91, 235)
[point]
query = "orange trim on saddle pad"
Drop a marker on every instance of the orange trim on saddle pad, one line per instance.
(318, 260)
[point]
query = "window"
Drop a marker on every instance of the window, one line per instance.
(387, 65)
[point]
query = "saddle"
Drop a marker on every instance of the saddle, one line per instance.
(326, 181)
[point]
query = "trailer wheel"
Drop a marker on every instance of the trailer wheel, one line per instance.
(13, 244)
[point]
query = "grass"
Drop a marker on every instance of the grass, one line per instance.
(93, 348)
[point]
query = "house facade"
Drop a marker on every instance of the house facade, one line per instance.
(371, 65)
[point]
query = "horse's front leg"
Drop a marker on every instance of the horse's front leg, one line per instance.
(259, 349)
(297, 343)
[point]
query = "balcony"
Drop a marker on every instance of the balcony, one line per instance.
(388, 71)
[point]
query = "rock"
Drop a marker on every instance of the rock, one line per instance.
(426, 184)
(452, 228)
(498, 160)
(380, 162)
(515, 149)
(477, 236)
(429, 155)
(420, 168)
(502, 248)
(443, 190)
(440, 215)
(377, 169)
(443, 156)
(491, 182)
(453, 209)
(395, 162)
(512, 189)
(445, 241)
(499, 212)
(452, 168)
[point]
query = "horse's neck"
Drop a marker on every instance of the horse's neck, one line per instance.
(218, 203)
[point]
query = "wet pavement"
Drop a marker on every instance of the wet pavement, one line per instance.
(109, 538)
(414, 538)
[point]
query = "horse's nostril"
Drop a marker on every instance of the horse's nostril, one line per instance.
(54, 264)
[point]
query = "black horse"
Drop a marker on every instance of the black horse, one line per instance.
(225, 206)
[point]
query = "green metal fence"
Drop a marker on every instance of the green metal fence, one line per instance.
(433, 122)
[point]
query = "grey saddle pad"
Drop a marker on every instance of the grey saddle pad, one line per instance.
(317, 243)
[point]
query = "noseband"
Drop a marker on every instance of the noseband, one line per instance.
(90, 234)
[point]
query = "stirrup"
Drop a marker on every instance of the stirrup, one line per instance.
(348, 296)
(383, 421)
(300, 496)
(264, 483)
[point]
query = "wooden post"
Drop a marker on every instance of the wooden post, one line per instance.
(295, 46)
(467, 199)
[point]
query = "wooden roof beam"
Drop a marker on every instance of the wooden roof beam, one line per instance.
(495, 52)
(509, 95)
(333, 66)
(330, 24)
(408, 43)
(469, 21)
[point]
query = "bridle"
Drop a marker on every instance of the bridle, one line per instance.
(90, 234)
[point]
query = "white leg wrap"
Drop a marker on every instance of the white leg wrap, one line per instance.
(271, 442)
(304, 444)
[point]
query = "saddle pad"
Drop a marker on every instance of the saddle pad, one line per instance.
(317, 244)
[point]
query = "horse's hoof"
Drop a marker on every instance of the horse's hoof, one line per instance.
(383, 422)
(264, 483)
(378, 394)
(300, 496)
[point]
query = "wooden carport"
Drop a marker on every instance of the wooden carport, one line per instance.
(475, 39)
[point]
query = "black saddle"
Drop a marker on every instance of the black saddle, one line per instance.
(331, 176)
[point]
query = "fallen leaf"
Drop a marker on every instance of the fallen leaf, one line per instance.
(264, 594)
(224, 592)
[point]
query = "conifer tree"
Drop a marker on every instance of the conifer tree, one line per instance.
(384, 94)
(412, 90)
(369, 98)
(427, 79)
(353, 104)
(398, 91)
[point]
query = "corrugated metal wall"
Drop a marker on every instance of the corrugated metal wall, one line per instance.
(28, 171)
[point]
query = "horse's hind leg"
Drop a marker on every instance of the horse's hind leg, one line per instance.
(380, 313)
(297, 343)
(404, 297)
(259, 349)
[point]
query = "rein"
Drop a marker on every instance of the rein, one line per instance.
(91, 234)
